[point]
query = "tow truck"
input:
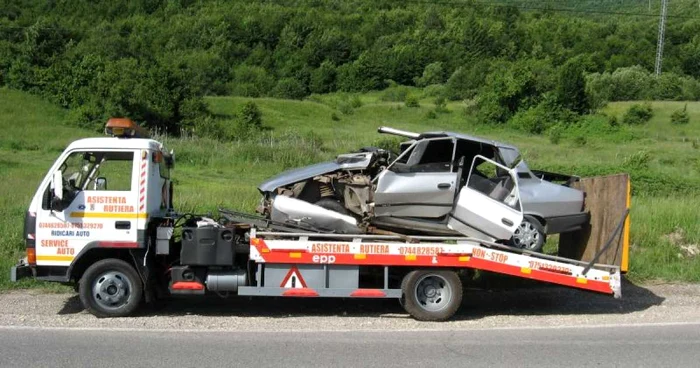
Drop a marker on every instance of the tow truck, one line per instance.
(102, 219)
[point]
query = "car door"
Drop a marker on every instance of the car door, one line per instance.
(488, 206)
(98, 205)
(422, 182)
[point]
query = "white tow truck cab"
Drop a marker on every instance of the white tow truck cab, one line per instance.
(102, 220)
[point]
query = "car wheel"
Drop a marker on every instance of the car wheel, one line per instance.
(529, 235)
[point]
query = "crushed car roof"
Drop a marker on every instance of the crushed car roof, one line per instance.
(465, 137)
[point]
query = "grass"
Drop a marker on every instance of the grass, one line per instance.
(662, 158)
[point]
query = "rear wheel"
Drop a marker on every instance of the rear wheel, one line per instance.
(530, 235)
(431, 295)
(111, 288)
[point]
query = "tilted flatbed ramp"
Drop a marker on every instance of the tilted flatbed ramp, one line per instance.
(322, 264)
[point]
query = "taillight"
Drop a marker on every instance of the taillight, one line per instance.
(31, 256)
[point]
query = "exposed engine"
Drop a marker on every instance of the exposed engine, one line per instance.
(338, 201)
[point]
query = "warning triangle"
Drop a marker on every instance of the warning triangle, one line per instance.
(293, 280)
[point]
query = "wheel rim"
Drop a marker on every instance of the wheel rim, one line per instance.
(526, 236)
(112, 290)
(433, 292)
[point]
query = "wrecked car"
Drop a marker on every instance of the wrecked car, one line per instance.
(441, 184)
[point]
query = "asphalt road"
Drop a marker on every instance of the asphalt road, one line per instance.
(652, 345)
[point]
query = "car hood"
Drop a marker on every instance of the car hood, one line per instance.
(349, 161)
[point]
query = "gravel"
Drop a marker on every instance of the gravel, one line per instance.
(541, 306)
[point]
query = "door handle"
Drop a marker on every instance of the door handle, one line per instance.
(122, 225)
(507, 222)
(444, 186)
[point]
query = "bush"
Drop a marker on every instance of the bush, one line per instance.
(571, 88)
(323, 78)
(251, 81)
(638, 114)
(335, 117)
(434, 73)
(395, 93)
(431, 114)
(434, 90)
(289, 88)
(411, 101)
(580, 140)
(680, 117)
(542, 117)
(555, 134)
(355, 102)
(248, 121)
(441, 105)
(345, 107)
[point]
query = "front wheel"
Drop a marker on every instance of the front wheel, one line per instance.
(431, 295)
(111, 288)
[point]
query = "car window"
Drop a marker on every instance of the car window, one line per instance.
(493, 181)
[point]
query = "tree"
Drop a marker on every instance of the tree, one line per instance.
(571, 89)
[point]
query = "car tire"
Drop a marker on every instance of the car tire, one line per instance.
(111, 288)
(431, 295)
(530, 235)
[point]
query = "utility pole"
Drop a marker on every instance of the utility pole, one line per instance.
(662, 32)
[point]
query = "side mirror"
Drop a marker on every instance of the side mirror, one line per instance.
(101, 183)
(57, 184)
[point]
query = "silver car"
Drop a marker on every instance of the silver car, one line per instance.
(441, 183)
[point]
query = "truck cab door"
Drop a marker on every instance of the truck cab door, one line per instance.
(99, 205)
(422, 182)
(488, 206)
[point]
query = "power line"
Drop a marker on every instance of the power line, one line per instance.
(541, 8)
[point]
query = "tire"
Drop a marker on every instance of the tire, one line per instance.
(111, 288)
(333, 205)
(530, 235)
(431, 295)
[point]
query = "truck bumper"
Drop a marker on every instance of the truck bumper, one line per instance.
(20, 271)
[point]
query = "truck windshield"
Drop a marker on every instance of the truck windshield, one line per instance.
(82, 169)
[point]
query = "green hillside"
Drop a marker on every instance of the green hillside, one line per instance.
(662, 158)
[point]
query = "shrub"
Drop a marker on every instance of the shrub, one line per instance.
(434, 73)
(335, 117)
(411, 101)
(441, 105)
(250, 115)
(289, 88)
(638, 114)
(434, 90)
(251, 81)
(571, 88)
(323, 78)
(680, 117)
(431, 114)
(612, 121)
(345, 108)
(355, 102)
(555, 134)
(637, 160)
(395, 94)
(580, 140)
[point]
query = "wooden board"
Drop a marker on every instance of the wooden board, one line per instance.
(607, 200)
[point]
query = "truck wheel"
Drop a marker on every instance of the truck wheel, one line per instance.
(111, 288)
(529, 235)
(431, 295)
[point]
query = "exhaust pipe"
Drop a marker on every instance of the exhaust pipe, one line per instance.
(402, 133)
